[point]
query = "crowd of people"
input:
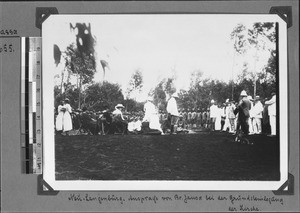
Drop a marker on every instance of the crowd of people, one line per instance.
(251, 116)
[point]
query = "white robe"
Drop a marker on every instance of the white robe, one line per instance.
(67, 120)
(151, 116)
(138, 125)
(272, 106)
(218, 118)
(214, 111)
(59, 118)
(172, 107)
(272, 114)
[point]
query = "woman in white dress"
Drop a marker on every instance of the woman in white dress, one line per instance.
(60, 117)
(151, 115)
(67, 119)
(218, 118)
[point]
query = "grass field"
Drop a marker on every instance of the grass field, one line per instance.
(203, 156)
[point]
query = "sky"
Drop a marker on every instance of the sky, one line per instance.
(158, 45)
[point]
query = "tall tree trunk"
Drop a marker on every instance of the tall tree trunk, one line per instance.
(232, 90)
(79, 96)
(61, 83)
(103, 75)
(255, 78)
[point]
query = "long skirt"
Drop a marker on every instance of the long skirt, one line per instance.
(59, 121)
(67, 122)
(154, 123)
(218, 123)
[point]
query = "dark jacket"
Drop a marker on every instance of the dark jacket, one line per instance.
(243, 108)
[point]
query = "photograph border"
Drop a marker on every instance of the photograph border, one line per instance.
(49, 161)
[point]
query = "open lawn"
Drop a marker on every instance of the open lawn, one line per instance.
(202, 156)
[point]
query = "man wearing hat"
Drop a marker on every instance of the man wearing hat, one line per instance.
(173, 112)
(257, 115)
(272, 113)
(243, 113)
(226, 114)
(231, 116)
(118, 118)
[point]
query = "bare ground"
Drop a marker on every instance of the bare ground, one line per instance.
(202, 156)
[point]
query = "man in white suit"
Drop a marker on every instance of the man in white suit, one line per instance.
(173, 112)
(272, 113)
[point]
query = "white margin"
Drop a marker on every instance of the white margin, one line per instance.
(49, 141)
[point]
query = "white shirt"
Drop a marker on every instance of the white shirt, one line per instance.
(172, 107)
(214, 111)
(68, 108)
(272, 105)
(131, 126)
(222, 111)
(118, 112)
(251, 113)
(257, 110)
(149, 108)
(138, 125)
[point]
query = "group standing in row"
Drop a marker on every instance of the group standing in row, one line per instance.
(252, 116)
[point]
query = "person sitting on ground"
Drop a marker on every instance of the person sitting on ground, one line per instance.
(131, 125)
(151, 115)
(138, 124)
(88, 124)
(105, 121)
(118, 120)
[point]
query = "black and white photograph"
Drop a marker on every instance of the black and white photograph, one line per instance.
(165, 102)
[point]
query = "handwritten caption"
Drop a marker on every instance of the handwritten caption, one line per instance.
(235, 203)
(6, 48)
(8, 32)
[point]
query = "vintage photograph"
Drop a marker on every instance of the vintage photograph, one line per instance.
(168, 99)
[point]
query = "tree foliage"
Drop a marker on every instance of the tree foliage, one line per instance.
(132, 105)
(80, 64)
(135, 83)
(257, 36)
(98, 96)
(162, 92)
(251, 42)
(159, 96)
